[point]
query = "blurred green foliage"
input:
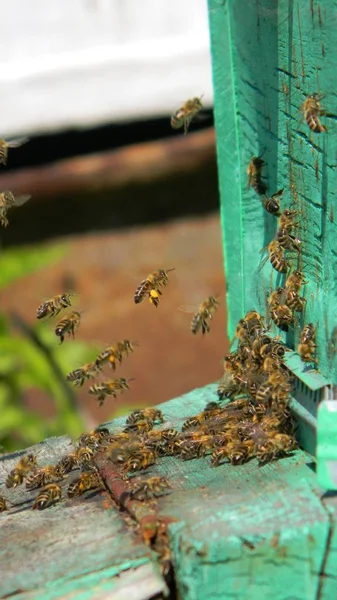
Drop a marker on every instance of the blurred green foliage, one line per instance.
(30, 357)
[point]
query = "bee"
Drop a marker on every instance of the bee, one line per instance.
(307, 345)
(311, 109)
(236, 452)
(249, 327)
(88, 371)
(282, 316)
(88, 480)
(205, 312)
(254, 172)
(201, 417)
(141, 426)
(68, 325)
(276, 444)
(295, 281)
(94, 438)
(229, 386)
(196, 448)
(114, 353)
(109, 388)
(3, 504)
(149, 488)
(6, 144)
(140, 459)
(151, 413)
(286, 240)
(49, 495)
(259, 346)
(270, 390)
(25, 465)
(277, 258)
(150, 287)
(184, 115)
(295, 301)
(53, 306)
(7, 201)
(272, 205)
(41, 477)
(81, 457)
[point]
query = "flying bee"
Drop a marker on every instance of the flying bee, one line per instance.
(3, 504)
(150, 287)
(115, 353)
(25, 465)
(49, 495)
(88, 371)
(307, 345)
(254, 172)
(68, 325)
(53, 306)
(94, 438)
(312, 111)
(184, 115)
(109, 388)
(149, 488)
(88, 480)
(7, 201)
(272, 205)
(43, 476)
(205, 312)
(145, 413)
(6, 144)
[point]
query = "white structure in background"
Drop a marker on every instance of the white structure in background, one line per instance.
(81, 63)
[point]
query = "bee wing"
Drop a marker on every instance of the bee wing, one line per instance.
(20, 200)
(189, 308)
(16, 142)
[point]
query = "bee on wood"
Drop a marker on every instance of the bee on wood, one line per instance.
(150, 287)
(307, 345)
(94, 438)
(140, 459)
(184, 115)
(277, 258)
(312, 111)
(25, 465)
(254, 172)
(295, 281)
(48, 496)
(141, 426)
(276, 444)
(201, 417)
(286, 240)
(249, 327)
(115, 353)
(145, 413)
(280, 313)
(68, 325)
(150, 488)
(276, 384)
(6, 144)
(235, 452)
(7, 201)
(272, 205)
(82, 457)
(229, 386)
(109, 388)
(88, 480)
(88, 371)
(3, 504)
(53, 306)
(295, 301)
(41, 477)
(205, 312)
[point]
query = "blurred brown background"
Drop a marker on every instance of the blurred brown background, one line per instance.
(124, 213)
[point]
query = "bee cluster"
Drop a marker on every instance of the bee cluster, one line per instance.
(251, 417)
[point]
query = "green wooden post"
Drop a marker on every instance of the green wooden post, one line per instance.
(267, 57)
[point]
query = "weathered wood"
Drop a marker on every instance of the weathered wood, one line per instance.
(139, 163)
(80, 546)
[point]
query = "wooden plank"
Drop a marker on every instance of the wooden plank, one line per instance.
(80, 544)
(265, 65)
(242, 531)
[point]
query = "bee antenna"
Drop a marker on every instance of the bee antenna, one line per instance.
(132, 379)
(168, 270)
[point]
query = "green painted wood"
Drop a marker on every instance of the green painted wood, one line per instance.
(242, 532)
(266, 59)
(78, 549)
